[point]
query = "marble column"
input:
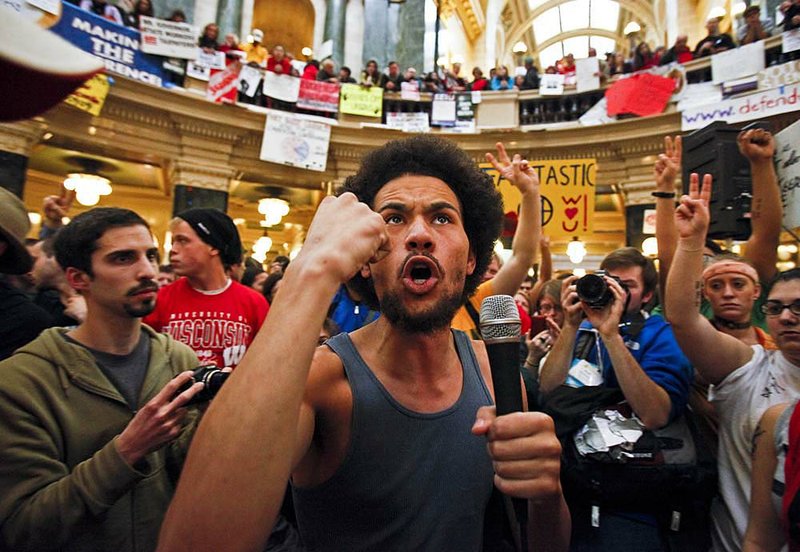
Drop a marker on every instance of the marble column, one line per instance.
(16, 142)
(334, 28)
(229, 17)
(394, 32)
(199, 12)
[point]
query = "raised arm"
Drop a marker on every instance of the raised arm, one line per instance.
(555, 369)
(529, 227)
(713, 353)
(235, 475)
(764, 532)
(766, 208)
(545, 270)
(665, 171)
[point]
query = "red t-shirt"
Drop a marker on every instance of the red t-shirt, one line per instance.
(218, 328)
(284, 63)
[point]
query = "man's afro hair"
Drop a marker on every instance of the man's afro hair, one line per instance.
(426, 155)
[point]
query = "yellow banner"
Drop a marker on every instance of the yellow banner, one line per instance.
(567, 188)
(91, 95)
(361, 100)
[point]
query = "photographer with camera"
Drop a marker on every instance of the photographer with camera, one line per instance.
(93, 419)
(608, 342)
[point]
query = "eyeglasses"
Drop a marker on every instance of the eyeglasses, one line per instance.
(775, 308)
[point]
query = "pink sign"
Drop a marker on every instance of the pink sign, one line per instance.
(318, 96)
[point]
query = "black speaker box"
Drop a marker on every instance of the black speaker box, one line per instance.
(713, 150)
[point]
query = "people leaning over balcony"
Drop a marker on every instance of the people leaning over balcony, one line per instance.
(255, 52)
(644, 57)
(755, 27)
(345, 75)
(501, 80)
(103, 9)
(679, 52)
(531, 79)
(327, 71)
(479, 82)
(142, 7)
(279, 62)
(791, 14)
(390, 81)
(715, 41)
(208, 40)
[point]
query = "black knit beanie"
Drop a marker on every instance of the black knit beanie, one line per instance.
(218, 230)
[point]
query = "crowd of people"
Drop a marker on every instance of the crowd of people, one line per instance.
(356, 373)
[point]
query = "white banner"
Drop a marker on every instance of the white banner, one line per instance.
(295, 140)
(737, 63)
(551, 85)
(168, 38)
(745, 108)
(787, 165)
(408, 122)
(443, 110)
(409, 91)
(587, 72)
(249, 77)
(790, 40)
(281, 87)
(201, 67)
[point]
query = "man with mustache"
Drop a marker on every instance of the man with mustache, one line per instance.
(93, 419)
(385, 430)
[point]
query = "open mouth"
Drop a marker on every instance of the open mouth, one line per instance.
(420, 274)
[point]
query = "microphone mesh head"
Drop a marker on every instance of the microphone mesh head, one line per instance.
(499, 318)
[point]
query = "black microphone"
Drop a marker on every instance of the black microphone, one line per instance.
(500, 329)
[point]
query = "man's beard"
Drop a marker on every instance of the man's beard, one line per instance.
(427, 322)
(142, 310)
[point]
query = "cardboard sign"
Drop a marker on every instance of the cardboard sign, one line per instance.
(408, 122)
(91, 95)
(295, 140)
(551, 85)
(737, 63)
(249, 78)
(168, 38)
(567, 188)
(318, 96)
(223, 84)
(443, 111)
(361, 100)
(641, 94)
(117, 46)
(787, 165)
(587, 73)
(281, 87)
(409, 91)
(790, 40)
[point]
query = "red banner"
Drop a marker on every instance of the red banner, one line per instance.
(318, 96)
(643, 94)
(223, 84)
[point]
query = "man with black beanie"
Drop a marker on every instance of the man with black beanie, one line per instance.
(214, 315)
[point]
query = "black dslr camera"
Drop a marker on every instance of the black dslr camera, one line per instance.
(594, 291)
(212, 377)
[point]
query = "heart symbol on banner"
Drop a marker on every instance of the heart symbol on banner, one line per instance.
(571, 212)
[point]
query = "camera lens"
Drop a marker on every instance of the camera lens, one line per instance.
(593, 290)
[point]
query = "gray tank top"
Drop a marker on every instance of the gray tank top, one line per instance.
(409, 481)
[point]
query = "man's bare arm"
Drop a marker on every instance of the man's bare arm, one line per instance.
(238, 465)
(766, 209)
(529, 227)
(666, 170)
(555, 369)
(713, 353)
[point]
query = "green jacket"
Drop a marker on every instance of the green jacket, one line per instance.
(63, 485)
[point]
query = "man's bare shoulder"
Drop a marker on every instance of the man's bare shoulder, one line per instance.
(326, 378)
(483, 361)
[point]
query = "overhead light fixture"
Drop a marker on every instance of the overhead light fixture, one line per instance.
(650, 247)
(576, 250)
(34, 217)
(520, 48)
(273, 209)
(88, 187)
(631, 28)
(306, 51)
(261, 248)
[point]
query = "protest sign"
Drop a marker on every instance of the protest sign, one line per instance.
(739, 62)
(443, 111)
(641, 94)
(249, 78)
(790, 41)
(168, 38)
(551, 85)
(318, 96)
(223, 84)
(783, 99)
(295, 140)
(568, 192)
(787, 165)
(408, 122)
(361, 100)
(281, 87)
(776, 75)
(91, 95)
(117, 46)
(201, 67)
(587, 73)
(409, 91)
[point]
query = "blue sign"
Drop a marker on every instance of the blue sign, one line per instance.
(116, 45)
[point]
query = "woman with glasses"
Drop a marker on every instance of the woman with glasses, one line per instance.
(747, 379)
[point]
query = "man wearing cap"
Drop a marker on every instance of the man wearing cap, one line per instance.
(208, 311)
(20, 319)
(255, 51)
(754, 28)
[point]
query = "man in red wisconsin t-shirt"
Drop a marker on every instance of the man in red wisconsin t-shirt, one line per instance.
(208, 311)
